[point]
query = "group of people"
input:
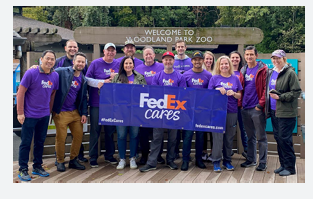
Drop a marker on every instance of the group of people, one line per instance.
(254, 93)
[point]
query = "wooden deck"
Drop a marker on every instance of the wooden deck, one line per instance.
(107, 173)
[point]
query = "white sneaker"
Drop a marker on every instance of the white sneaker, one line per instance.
(121, 164)
(132, 163)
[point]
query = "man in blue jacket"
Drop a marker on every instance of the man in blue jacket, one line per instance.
(70, 110)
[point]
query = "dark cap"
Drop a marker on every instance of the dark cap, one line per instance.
(129, 42)
(197, 54)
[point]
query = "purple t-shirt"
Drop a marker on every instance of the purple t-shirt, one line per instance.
(237, 73)
(137, 61)
(39, 88)
(250, 97)
(182, 64)
(99, 69)
(69, 103)
(229, 83)
(131, 79)
(197, 80)
(174, 79)
(149, 71)
(273, 86)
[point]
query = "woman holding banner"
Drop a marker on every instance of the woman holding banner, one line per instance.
(228, 84)
(127, 75)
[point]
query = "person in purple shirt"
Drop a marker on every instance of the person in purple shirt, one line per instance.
(148, 69)
(34, 103)
(130, 50)
(197, 77)
(167, 77)
(228, 84)
(101, 70)
(182, 61)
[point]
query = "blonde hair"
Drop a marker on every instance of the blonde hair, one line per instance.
(217, 70)
(213, 64)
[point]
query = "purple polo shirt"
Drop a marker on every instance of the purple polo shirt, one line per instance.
(229, 83)
(272, 85)
(174, 79)
(197, 80)
(99, 69)
(182, 64)
(250, 97)
(149, 71)
(137, 61)
(69, 103)
(39, 88)
(131, 79)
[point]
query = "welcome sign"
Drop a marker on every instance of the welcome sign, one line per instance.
(162, 107)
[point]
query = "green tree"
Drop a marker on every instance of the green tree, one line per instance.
(38, 13)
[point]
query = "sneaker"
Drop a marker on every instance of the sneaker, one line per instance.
(94, 164)
(216, 166)
(61, 167)
(248, 164)
(227, 165)
(74, 164)
(147, 168)
(132, 163)
(261, 167)
(279, 169)
(40, 171)
(286, 173)
(172, 165)
(161, 160)
(111, 160)
(205, 156)
(82, 159)
(121, 164)
(23, 175)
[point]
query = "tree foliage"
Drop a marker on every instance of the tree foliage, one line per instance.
(283, 26)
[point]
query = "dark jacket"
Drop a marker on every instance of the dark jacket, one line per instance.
(138, 79)
(66, 75)
(288, 85)
(260, 83)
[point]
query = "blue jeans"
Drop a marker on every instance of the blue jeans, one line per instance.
(244, 138)
(122, 140)
(187, 136)
(37, 127)
(95, 130)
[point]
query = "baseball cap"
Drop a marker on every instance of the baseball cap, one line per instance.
(278, 53)
(109, 45)
(129, 42)
(168, 53)
(197, 54)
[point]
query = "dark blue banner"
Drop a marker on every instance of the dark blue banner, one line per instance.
(162, 107)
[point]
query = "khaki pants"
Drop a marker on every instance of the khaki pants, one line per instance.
(65, 119)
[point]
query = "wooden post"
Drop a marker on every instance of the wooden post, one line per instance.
(169, 47)
(96, 51)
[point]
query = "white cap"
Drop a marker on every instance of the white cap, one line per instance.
(109, 45)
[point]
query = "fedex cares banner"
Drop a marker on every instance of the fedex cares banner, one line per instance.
(162, 107)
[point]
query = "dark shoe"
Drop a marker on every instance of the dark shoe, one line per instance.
(75, 165)
(161, 160)
(61, 167)
(143, 160)
(285, 172)
(244, 154)
(261, 167)
(23, 175)
(111, 160)
(279, 169)
(172, 165)
(40, 171)
(147, 168)
(200, 164)
(248, 164)
(94, 164)
(82, 159)
(184, 166)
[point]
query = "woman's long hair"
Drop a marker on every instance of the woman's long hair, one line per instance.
(122, 73)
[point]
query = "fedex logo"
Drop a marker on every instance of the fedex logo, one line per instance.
(227, 85)
(74, 84)
(198, 81)
(168, 82)
(47, 84)
(109, 71)
(249, 77)
(149, 74)
(168, 102)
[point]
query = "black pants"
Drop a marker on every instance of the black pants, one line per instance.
(282, 129)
